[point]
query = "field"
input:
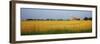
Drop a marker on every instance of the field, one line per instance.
(55, 27)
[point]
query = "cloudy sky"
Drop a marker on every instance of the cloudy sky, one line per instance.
(37, 13)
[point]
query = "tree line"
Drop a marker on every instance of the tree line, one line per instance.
(85, 18)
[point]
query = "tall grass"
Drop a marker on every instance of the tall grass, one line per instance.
(55, 27)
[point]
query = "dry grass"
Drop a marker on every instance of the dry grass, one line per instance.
(34, 27)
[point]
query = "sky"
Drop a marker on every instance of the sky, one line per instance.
(39, 13)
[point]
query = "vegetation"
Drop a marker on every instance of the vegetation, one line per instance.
(33, 27)
(86, 18)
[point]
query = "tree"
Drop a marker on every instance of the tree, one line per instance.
(90, 18)
(29, 19)
(85, 18)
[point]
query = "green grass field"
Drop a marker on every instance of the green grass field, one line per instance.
(55, 27)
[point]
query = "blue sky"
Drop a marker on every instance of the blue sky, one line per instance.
(37, 13)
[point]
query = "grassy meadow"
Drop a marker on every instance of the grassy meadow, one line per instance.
(55, 27)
